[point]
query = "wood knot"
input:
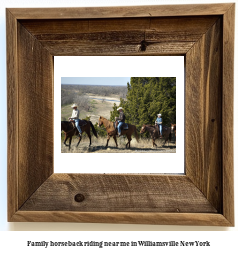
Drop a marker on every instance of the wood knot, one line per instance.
(213, 120)
(79, 198)
(143, 45)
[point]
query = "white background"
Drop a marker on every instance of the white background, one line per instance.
(222, 241)
(117, 66)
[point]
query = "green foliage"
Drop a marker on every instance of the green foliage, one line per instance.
(146, 97)
(87, 118)
(101, 131)
(114, 113)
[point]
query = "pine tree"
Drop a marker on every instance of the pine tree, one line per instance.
(146, 97)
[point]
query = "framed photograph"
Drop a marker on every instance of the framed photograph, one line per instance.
(98, 98)
(202, 195)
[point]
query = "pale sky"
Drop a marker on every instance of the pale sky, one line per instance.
(107, 81)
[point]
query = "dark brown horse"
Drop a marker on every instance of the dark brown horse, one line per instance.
(112, 132)
(154, 133)
(173, 130)
(70, 130)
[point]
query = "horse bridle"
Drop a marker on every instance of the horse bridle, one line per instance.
(100, 124)
(144, 129)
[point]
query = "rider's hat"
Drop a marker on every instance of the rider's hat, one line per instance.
(159, 115)
(74, 105)
(119, 108)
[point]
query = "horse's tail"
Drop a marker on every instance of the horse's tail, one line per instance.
(136, 135)
(65, 126)
(62, 125)
(93, 129)
(170, 136)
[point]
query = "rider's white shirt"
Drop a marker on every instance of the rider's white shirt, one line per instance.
(75, 114)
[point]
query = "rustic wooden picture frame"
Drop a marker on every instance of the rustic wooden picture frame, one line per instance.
(204, 34)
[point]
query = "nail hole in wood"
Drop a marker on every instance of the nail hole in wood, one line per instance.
(79, 198)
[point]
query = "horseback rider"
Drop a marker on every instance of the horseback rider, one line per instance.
(120, 119)
(158, 123)
(75, 117)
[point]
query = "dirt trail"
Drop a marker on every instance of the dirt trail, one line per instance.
(111, 100)
(99, 147)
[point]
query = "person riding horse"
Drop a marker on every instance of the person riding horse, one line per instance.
(120, 119)
(158, 123)
(75, 117)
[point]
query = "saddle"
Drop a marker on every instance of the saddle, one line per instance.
(81, 122)
(164, 128)
(123, 127)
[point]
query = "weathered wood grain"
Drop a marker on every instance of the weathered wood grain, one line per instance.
(121, 11)
(12, 116)
(35, 108)
(178, 25)
(114, 193)
(192, 219)
(34, 37)
(119, 36)
(227, 113)
(204, 114)
(71, 48)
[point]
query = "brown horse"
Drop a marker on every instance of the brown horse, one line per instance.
(70, 130)
(173, 130)
(112, 132)
(154, 133)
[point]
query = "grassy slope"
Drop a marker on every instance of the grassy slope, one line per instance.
(98, 108)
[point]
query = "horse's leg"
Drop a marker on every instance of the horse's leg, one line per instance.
(108, 138)
(165, 140)
(70, 139)
(129, 140)
(90, 142)
(154, 144)
(66, 138)
(89, 136)
(115, 139)
(78, 141)
(153, 140)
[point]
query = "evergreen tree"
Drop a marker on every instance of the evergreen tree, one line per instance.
(146, 97)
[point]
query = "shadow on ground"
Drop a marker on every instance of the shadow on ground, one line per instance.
(120, 149)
